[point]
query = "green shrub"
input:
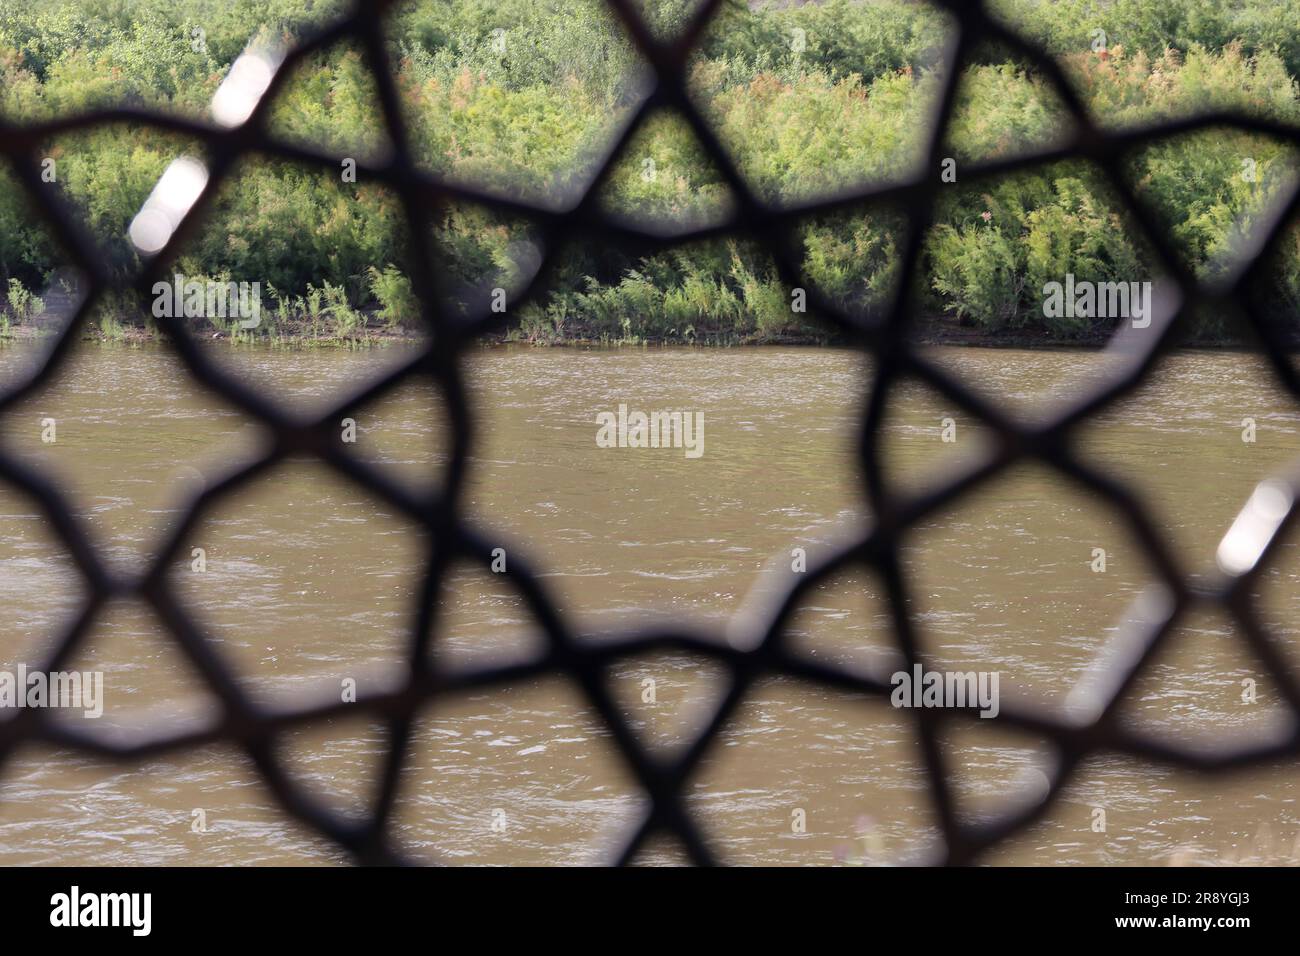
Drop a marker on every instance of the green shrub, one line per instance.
(845, 106)
(22, 304)
(392, 290)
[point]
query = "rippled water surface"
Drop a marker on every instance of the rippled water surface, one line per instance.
(304, 582)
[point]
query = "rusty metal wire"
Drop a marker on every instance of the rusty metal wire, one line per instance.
(255, 729)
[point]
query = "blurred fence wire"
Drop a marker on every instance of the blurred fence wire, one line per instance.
(1089, 727)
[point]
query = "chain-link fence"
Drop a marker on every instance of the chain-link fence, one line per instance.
(1091, 727)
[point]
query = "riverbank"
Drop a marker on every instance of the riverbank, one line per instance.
(296, 334)
(305, 332)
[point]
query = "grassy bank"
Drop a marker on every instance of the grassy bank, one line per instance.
(520, 97)
(302, 332)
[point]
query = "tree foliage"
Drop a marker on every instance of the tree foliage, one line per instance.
(524, 97)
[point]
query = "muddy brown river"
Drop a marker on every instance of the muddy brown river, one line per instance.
(306, 582)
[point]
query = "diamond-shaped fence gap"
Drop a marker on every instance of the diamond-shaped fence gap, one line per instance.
(482, 620)
(1250, 179)
(858, 121)
(844, 621)
(924, 437)
(329, 103)
(1205, 427)
(803, 776)
(665, 181)
(41, 589)
(1118, 811)
(405, 434)
(307, 584)
(851, 258)
(667, 699)
(455, 66)
(338, 761)
(552, 467)
(127, 678)
(524, 775)
(189, 809)
(1205, 690)
(1023, 582)
(1004, 110)
(996, 770)
(131, 465)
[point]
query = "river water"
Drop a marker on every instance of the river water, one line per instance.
(306, 582)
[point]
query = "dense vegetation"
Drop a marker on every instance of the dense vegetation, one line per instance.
(523, 96)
